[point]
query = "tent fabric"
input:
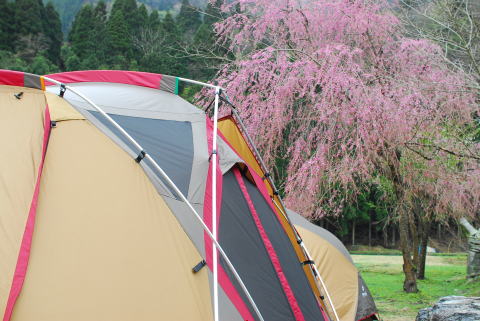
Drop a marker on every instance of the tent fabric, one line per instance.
(233, 135)
(269, 247)
(251, 259)
(22, 133)
(25, 246)
(301, 221)
(366, 307)
(144, 79)
(349, 293)
(134, 106)
(60, 109)
(286, 254)
(169, 142)
(123, 255)
(339, 275)
(240, 302)
(21, 79)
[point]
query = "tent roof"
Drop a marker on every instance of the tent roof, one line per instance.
(137, 78)
(21, 79)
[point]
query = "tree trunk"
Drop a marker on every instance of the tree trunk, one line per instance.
(413, 220)
(394, 234)
(424, 235)
(370, 233)
(410, 282)
(385, 236)
(353, 233)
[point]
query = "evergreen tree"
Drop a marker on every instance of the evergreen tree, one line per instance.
(188, 20)
(71, 60)
(142, 17)
(7, 21)
(41, 65)
(8, 60)
(28, 17)
(81, 36)
(171, 49)
(130, 15)
(128, 8)
(154, 20)
(100, 32)
(53, 31)
(118, 39)
(171, 29)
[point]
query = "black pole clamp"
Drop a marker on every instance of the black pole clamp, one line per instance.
(140, 156)
(267, 175)
(311, 262)
(63, 89)
(199, 266)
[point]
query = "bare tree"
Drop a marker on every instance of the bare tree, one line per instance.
(453, 24)
(149, 40)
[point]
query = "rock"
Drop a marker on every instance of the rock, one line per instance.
(473, 261)
(452, 308)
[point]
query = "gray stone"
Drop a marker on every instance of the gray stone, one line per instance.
(452, 308)
(473, 261)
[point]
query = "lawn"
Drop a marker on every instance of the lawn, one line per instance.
(445, 275)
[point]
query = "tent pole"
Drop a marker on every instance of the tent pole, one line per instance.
(177, 191)
(214, 203)
(195, 82)
(281, 208)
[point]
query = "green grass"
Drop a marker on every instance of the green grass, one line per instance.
(385, 282)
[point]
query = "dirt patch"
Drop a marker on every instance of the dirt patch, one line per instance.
(398, 260)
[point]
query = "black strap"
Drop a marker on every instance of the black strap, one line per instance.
(267, 175)
(209, 105)
(140, 156)
(227, 102)
(63, 89)
(53, 124)
(19, 95)
(308, 262)
(199, 266)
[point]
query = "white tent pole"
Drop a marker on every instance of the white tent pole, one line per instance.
(214, 202)
(175, 188)
(316, 273)
(195, 82)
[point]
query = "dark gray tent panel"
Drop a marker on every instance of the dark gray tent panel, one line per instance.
(240, 238)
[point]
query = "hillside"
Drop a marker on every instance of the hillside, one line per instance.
(69, 8)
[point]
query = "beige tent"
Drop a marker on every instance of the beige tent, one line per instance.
(108, 208)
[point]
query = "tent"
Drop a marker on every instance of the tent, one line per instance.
(121, 201)
(350, 294)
